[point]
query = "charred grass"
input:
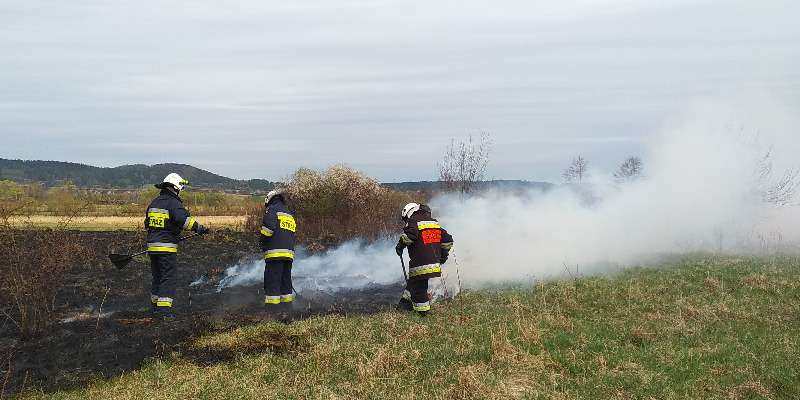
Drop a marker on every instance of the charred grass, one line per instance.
(700, 327)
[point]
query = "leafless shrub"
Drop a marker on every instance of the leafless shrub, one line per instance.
(464, 163)
(780, 191)
(629, 170)
(253, 215)
(33, 263)
(577, 170)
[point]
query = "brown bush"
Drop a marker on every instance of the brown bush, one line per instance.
(337, 205)
(32, 268)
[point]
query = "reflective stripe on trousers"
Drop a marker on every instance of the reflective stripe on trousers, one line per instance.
(164, 302)
(272, 299)
(424, 269)
(426, 306)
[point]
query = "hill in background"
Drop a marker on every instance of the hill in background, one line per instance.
(505, 185)
(53, 173)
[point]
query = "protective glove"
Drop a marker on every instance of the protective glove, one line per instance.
(399, 248)
(202, 229)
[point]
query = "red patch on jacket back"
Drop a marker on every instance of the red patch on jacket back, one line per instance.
(431, 236)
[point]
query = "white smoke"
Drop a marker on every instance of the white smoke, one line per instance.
(352, 265)
(701, 192)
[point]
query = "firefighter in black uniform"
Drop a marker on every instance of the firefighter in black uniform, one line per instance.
(428, 247)
(277, 241)
(166, 218)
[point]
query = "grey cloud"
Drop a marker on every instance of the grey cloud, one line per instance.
(257, 89)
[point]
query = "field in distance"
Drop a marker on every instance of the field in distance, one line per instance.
(110, 223)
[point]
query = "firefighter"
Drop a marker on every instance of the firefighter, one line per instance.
(277, 241)
(428, 247)
(166, 218)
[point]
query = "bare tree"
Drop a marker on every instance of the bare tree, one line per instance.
(629, 170)
(780, 191)
(577, 171)
(464, 163)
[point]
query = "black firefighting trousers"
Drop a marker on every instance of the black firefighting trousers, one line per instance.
(278, 282)
(163, 267)
(418, 290)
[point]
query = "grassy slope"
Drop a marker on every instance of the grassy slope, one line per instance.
(703, 327)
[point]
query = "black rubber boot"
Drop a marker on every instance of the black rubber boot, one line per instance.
(405, 305)
(165, 314)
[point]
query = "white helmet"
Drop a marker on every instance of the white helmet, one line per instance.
(409, 210)
(277, 192)
(175, 180)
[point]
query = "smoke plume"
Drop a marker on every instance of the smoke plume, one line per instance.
(705, 188)
(708, 184)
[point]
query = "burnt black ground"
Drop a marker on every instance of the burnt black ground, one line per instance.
(74, 353)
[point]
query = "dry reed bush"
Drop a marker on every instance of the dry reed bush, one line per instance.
(34, 263)
(341, 204)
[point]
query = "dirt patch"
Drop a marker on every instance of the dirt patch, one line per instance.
(107, 328)
(233, 342)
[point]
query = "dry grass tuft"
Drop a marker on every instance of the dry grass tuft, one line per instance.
(385, 364)
(748, 390)
(713, 284)
(757, 281)
(640, 336)
(470, 384)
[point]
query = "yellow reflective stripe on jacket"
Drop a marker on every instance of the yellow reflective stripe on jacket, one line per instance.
(266, 231)
(405, 239)
(279, 253)
(162, 247)
(424, 269)
(189, 224)
(447, 246)
(428, 225)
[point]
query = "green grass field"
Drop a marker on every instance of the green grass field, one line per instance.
(702, 327)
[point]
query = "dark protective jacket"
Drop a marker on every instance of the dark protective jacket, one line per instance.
(278, 231)
(428, 245)
(166, 218)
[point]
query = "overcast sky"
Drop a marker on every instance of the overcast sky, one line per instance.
(258, 88)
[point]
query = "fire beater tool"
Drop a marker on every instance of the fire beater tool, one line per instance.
(122, 260)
